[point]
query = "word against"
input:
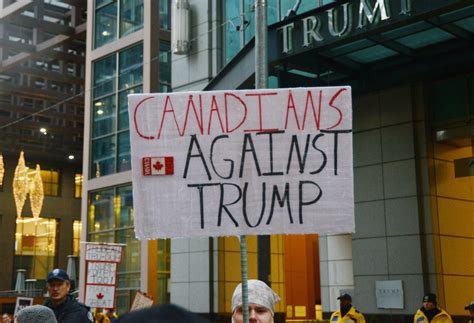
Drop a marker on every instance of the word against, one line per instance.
(244, 162)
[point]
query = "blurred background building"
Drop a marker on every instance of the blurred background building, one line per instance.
(42, 66)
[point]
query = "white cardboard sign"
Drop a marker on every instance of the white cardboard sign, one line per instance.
(100, 296)
(242, 162)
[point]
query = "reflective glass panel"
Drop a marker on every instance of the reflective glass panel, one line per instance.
(123, 107)
(106, 24)
(131, 16)
(232, 35)
(249, 14)
(165, 63)
(104, 76)
(129, 269)
(76, 237)
(101, 210)
(103, 156)
(131, 67)
(125, 206)
(165, 14)
(104, 114)
(123, 152)
(35, 246)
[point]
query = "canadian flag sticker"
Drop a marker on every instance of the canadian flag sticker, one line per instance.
(158, 166)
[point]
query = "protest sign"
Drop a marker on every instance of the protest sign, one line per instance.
(141, 301)
(242, 162)
(21, 303)
(101, 274)
(100, 296)
(103, 252)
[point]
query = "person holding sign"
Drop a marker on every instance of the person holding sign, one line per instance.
(261, 299)
(65, 307)
(346, 312)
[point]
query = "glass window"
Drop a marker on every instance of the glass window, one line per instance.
(240, 18)
(104, 114)
(123, 106)
(103, 156)
(115, 19)
(131, 67)
(124, 151)
(110, 142)
(165, 14)
(78, 178)
(104, 76)
(35, 246)
(76, 237)
(50, 179)
(106, 24)
(165, 66)
(232, 35)
(101, 210)
(164, 255)
(131, 16)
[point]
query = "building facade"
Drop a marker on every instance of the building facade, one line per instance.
(42, 55)
(411, 76)
(411, 70)
(127, 51)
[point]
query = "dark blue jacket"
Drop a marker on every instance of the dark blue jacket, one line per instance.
(70, 311)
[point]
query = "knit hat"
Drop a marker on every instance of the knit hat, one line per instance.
(36, 314)
(259, 293)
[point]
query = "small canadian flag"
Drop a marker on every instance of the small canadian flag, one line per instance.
(158, 166)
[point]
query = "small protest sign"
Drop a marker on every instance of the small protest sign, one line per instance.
(101, 274)
(100, 296)
(103, 252)
(141, 301)
(22, 302)
(263, 161)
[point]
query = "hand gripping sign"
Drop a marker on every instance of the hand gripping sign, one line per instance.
(242, 162)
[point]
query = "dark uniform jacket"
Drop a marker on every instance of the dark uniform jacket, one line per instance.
(70, 311)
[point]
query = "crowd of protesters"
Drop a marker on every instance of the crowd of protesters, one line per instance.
(61, 307)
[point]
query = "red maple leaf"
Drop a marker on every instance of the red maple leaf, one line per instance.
(100, 296)
(158, 166)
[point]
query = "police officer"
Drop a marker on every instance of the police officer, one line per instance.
(346, 312)
(65, 307)
(430, 312)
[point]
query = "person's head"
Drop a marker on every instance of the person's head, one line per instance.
(6, 318)
(429, 301)
(470, 308)
(345, 300)
(166, 313)
(58, 285)
(261, 299)
(35, 314)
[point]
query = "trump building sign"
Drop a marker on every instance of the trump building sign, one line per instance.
(242, 162)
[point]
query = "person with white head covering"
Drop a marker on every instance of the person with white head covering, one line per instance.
(261, 300)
